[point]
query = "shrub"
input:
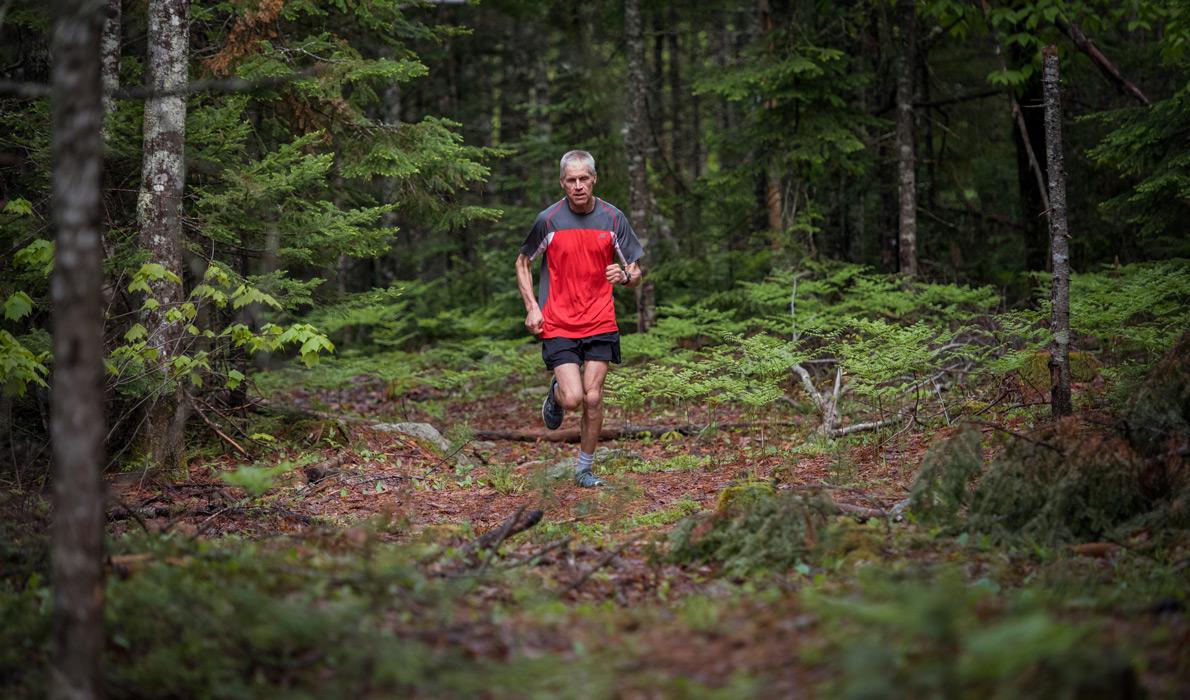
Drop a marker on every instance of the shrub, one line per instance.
(940, 489)
(941, 638)
(753, 529)
(1064, 484)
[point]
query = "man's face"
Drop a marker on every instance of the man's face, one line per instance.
(579, 184)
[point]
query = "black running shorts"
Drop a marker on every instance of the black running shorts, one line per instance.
(562, 351)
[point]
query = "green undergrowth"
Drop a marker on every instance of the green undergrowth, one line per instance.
(936, 634)
(236, 618)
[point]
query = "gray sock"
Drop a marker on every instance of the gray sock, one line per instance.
(585, 462)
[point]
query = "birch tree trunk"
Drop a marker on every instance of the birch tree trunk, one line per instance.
(76, 417)
(635, 143)
(1060, 400)
(906, 156)
(159, 212)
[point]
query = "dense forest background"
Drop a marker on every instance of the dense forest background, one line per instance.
(841, 392)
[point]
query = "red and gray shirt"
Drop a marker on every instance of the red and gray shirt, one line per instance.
(574, 294)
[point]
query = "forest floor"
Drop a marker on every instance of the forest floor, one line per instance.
(590, 585)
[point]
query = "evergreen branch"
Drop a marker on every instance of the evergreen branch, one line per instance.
(34, 91)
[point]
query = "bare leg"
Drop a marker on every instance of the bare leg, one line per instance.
(594, 373)
(570, 386)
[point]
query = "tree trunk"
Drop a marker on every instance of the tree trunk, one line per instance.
(635, 140)
(1060, 401)
(111, 53)
(906, 156)
(774, 206)
(76, 420)
(159, 210)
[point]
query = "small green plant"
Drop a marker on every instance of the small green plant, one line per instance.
(504, 479)
(258, 478)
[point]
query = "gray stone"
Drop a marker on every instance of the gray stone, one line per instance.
(421, 431)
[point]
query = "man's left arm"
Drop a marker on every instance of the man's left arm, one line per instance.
(631, 252)
(627, 277)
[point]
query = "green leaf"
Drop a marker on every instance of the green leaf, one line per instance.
(17, 306)
(234, 377)
(38, 255)
(18, 206)
(135, 333)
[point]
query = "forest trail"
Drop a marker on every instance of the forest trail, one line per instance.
(355, 484)
(353, 472)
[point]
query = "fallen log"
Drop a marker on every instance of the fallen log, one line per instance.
(622, 432)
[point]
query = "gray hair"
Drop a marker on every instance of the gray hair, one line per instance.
(572, 157)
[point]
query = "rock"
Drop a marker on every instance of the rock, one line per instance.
(421, 431)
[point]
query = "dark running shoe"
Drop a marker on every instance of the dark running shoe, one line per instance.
(588, 480)
(551, 410)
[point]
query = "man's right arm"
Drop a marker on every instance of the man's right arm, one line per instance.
(524, 282)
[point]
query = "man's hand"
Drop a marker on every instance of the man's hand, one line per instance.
(534, 321)
(616, 274)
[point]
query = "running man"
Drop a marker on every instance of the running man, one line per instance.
(583, 240)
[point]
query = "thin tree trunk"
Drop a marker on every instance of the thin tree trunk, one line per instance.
(1060, 401)
(906, 155)
(111, 53)
(76, 419)
(635, 140)
(159, 210)
(774, 206)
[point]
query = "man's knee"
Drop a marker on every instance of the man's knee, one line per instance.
(593, 398)
(569, 402)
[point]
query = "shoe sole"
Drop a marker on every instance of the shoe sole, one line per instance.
(544, 414)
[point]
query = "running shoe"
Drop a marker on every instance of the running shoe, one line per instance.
(588, 480)
(551, 410)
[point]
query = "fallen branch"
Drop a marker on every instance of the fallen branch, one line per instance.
(1101, 62)
(511, 526)
(626, 431)
(862, 427)
(861, 511)
(220, 433)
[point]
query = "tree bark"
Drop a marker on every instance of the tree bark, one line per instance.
(1060, 400)
(76, 420)
(111, 53)
(906, 155)
(635, 144)
(774, 205)
(159, 211)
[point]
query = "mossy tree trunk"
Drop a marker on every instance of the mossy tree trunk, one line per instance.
(1060, 401)
(76, 419)
(159, 212)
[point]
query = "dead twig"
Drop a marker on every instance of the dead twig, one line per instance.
(603, 561)
(212, 426)
(511, 526)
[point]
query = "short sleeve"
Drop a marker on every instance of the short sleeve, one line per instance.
(535, 242)
(626, 238)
